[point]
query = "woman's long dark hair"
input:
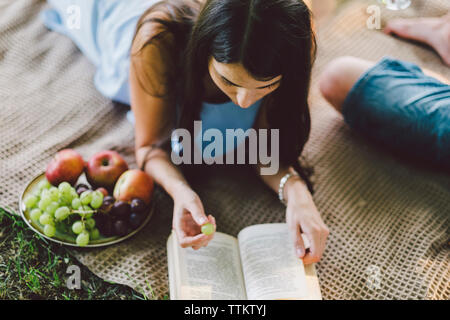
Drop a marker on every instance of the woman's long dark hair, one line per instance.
(268, 37)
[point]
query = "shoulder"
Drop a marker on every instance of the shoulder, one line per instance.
(153, 52)
(152, 36)
(179, 16)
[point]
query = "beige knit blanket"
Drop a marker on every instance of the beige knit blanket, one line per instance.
(389, 220)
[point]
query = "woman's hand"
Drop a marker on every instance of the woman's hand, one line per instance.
(302, 216)
(188, 218)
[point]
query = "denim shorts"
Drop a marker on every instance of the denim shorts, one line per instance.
(396, 105)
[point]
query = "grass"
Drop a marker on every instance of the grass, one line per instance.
(31, 267)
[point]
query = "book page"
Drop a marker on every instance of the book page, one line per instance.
(210, 273)
(271, 269)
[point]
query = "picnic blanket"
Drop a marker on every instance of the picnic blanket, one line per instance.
(389, 219)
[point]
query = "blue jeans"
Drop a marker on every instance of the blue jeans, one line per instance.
(395, 104)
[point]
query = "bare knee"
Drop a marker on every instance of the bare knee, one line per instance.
(330, 82)
(338, 78)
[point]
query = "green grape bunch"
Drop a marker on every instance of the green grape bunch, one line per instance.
(60, 208)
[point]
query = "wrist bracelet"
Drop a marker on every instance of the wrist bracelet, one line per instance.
(282, 184)
(144, 162)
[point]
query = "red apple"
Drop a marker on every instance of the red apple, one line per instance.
(66, 165)
(134, 184)
(104, 168)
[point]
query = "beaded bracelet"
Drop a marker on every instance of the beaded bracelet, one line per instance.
(282, 184)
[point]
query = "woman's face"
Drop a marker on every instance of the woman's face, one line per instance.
(238, 85)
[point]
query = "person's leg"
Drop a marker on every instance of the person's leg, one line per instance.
(393, 103)
(341, 74)
(434, 32)
(339, 77)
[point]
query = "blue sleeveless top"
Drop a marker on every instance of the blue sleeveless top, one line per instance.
(103, 30)
(221, 116)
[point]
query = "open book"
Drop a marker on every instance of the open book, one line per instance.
(259, 264)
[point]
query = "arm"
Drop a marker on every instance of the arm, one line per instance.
(153, 116)
(302, 215)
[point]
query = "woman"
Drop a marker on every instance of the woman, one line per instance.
(229, 63)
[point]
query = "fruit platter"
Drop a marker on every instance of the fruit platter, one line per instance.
(87, 204)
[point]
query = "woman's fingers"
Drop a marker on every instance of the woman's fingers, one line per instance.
(312, 256)
(317, 238)
(208, 238)
(183, 238)
(197, 241)
(323, 239)
(298, 240)
(198, 214)
(305, 218)
(189, 216)
(212, 220)
(295, 233)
